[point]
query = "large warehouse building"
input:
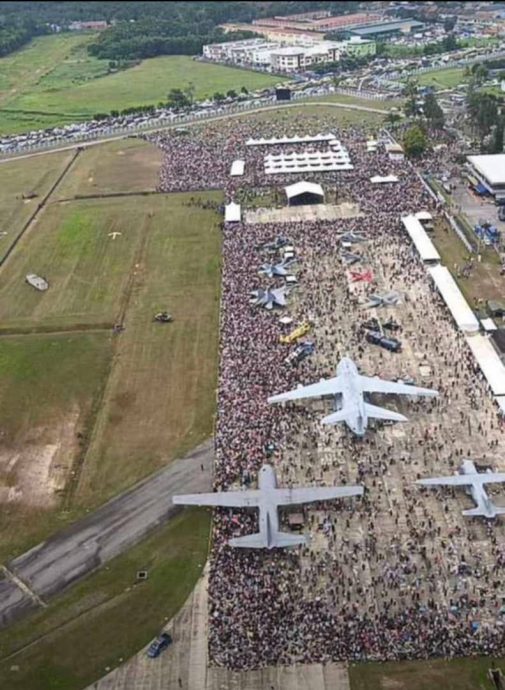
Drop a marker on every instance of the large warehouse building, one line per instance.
(490, 171)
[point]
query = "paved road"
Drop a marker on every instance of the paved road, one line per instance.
(150, 130)
(50, 567)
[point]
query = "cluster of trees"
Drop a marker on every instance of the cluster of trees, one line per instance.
(15, 33)
(486, 119)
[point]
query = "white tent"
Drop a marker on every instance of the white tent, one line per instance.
(419, 237)
(290, 140)
(423, 215)
(489, 362)
(456, 303)
(379, 180)
(294, 190)
(232, 213)
(237, 168)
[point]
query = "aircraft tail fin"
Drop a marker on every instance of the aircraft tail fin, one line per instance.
(257, 541)
(375, 412)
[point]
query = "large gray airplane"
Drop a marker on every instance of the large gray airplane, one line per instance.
(267, 498)
(474, 482)
(348, 388)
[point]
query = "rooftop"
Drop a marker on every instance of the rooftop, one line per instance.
(491, 166)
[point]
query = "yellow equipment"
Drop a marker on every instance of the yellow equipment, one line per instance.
(299, 332)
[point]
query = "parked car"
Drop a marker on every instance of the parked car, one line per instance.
(391, 344)
(158, 645)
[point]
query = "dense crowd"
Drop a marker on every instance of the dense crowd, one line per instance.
(398, 573)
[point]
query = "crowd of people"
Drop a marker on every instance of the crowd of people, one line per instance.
(398, 573)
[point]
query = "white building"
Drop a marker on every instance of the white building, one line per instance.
(282, 57)
(490, 171)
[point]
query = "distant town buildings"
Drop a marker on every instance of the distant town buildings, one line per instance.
(279, 57)
(87, 26)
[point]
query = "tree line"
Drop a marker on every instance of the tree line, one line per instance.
(15, 33)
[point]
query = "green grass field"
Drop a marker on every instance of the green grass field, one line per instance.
(107, 617)
(50, 386)
(443, 78)
(69, 85)
(457, 674)
(18, 177)
(166, 374)
(87, 269)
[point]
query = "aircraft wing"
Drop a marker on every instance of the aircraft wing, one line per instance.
(465, 479)
(315, 390)
(377, 385)
(492, 477)
(224, 499)
(285, 497)
(454, 480)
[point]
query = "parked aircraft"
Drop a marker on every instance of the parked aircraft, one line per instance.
(474, 482)
(348, 388)
(268, 497)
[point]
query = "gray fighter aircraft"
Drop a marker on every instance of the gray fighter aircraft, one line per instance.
(269, 298)
(280, 269)
(348, 388)
(387, 299)
(474, 482)
(352, 237)
(349, 258)
(268, 497)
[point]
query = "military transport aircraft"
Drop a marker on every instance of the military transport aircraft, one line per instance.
(348, 388)
(267, 498)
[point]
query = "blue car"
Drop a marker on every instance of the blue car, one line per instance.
(158, 645)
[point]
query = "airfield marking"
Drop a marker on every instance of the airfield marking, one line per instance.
(23, 586)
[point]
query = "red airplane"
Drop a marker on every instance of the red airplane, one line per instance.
(362, 276)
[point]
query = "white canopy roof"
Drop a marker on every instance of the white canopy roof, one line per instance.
(290, 140)
(488, 324)
(489, 361)
(423, 215)
(388, 178)
(422, 242)
(456, 303)
(302, 188)
(237, 168)
(491, 167)
(305, 168)
(232, 213)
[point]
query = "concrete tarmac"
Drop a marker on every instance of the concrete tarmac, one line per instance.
(66, 557)
(185, 663)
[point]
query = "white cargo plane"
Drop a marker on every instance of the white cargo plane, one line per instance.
(351, 387)
(267, 498)
(474, 482)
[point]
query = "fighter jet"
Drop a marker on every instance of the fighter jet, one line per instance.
(276, 244)
(362, 276)
(348, 388)
(267, 498)
(388, 299)
(474, 482)
(280, 269)
(353, 237)
(349, 258)
(269, 298)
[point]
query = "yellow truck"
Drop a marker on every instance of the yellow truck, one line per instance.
(299, 332)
